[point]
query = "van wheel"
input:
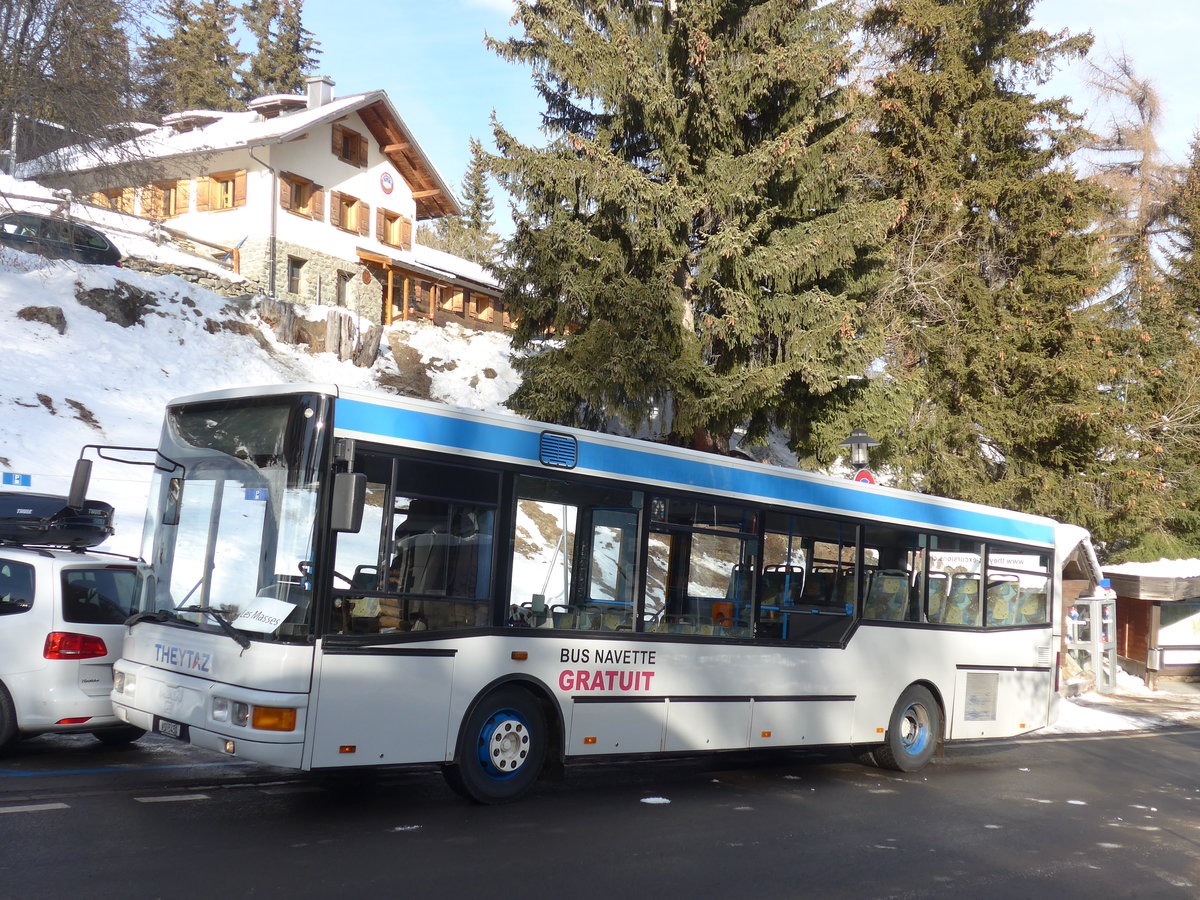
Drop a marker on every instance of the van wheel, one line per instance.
(501, 748)
(914, 731)
(125, 734)
(8, 720)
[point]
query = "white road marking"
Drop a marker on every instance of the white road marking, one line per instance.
(172, 798)
(33, 807)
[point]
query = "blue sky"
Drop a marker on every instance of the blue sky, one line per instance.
(430, 58)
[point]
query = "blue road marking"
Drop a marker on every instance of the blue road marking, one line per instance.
(13, 773)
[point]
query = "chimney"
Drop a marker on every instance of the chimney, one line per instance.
(320, 90)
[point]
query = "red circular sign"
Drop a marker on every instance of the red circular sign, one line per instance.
(865, 476)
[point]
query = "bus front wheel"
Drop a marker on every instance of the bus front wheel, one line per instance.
(914, 731)
(501, 748)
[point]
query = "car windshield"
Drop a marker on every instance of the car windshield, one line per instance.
(232, 526)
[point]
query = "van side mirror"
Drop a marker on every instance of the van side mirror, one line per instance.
(79, 483)
(349, 498)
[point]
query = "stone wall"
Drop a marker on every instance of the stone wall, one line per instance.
(207, 280)
(319, 275)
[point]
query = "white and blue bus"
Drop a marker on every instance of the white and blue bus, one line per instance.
(342, 578)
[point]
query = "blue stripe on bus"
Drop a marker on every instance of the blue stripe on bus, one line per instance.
(523, 445)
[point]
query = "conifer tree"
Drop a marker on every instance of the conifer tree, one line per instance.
(1163, 388)
(285, 51)
(1008, 367)
(691, 234)
(473, 234)
(194, 64)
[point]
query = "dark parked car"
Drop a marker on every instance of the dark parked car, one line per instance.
(57, 238)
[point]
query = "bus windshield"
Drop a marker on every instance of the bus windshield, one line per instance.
(230, 531)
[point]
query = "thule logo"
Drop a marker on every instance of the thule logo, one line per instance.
(24, 512)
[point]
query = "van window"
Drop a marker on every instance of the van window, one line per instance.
(101, 596)
(16, 587)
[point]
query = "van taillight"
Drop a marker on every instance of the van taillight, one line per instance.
(66, 645)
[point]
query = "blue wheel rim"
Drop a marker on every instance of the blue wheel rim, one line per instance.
(504, 744)
(915, 729)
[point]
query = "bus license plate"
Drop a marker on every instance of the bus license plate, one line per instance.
(170, 729)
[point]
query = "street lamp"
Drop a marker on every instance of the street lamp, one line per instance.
(860, 444)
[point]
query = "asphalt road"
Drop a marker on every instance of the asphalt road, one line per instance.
(1089, 817)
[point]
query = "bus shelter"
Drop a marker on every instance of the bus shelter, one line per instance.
(1158, 618)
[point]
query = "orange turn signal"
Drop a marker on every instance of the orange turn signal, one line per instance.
(274, 718)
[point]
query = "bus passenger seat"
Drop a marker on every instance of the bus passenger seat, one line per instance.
(887, 597)
(962, 606)
(1032, 608)
(1002, 601)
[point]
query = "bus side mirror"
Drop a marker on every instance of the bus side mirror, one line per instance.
(79, 483)
(349, 498)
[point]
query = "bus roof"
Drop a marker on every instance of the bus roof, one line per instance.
(421, 424)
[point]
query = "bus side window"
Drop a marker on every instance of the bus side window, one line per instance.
(953, 567)
(809, 582)
(574, 553)
(1017, 585)
(701, 568)
(422, 559)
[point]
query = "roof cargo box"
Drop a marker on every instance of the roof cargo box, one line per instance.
(46, 520)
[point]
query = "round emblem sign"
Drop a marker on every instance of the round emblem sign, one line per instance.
(865, 476)
(385, 182)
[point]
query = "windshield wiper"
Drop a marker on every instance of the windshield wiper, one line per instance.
(159, 615)
(242, 640)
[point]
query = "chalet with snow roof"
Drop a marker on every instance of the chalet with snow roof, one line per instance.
(316, 198)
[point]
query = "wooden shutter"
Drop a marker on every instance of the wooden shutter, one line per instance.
(362, 151)
(285, 191)
(335, 209)
(204, 192)
(381, 234)
(406, 233)
(363, 217)
(151, 201)
(337, 141)
(239, 189)
(316, 206)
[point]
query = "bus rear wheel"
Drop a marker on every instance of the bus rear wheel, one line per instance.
(914, 731)
(501, 748)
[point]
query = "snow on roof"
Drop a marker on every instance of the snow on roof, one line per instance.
(1163, 568)
(455, 266)
(224, 131)
(215, 131)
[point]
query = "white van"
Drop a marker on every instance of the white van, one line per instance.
(61, 629)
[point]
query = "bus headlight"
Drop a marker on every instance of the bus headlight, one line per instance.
(241, 713)
(265, 718)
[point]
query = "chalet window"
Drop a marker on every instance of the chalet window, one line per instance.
(484, 309)
(120, 199)
(295, 267)
(349, 213)
(349, 146)
(165, 199)
(300, 196)
(393, 229)
(221, 190)
(343, 287)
